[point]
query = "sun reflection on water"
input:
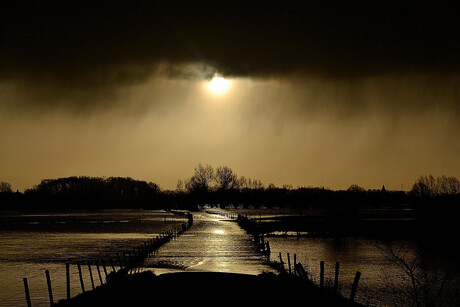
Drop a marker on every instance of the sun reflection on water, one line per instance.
(219, 231)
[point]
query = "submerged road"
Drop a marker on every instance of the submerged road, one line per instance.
(213, 243)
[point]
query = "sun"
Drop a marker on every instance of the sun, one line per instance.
(218, 85)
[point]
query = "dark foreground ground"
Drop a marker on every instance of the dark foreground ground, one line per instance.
(207, 289)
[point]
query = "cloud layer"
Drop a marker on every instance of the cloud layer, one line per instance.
(98, 42)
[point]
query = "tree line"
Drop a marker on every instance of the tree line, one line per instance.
(431, 186)
(220, 185)
(84, 192)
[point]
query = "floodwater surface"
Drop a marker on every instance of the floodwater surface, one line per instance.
(34, 242)
(214, 243)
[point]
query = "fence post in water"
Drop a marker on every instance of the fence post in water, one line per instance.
(105, 269)
(336, 279)
(67, 278)
(321, 274)
(289, 262)
(113, 267)
(50, 290)
(119, 260)
(26, 288)
(91, 274)
(99, 272)
(355, 286)
(134, 252)
(81, 278)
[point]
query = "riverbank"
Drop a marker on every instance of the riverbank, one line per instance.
(206, 289)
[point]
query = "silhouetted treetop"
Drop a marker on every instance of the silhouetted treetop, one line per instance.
(223, 178)
(355, 188)
(202, 179)
(94, 185)
(5, 187)
(226, 179)
(431, 186)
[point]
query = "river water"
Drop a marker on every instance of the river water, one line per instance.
(32, 243)
(384, 265)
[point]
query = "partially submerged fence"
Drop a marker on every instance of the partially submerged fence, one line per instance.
(97, 272)
(296, 268)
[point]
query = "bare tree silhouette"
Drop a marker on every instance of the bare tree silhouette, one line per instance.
(202, 179)
(426, 281)
(226, 179)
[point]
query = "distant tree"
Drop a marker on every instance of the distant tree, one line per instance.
(422, 187)
(5, 187)
(243, 183)
(453, 185)
(447, 185)
(202, 179)
(355, 188)
(180, 187)
(431, 186)
(256, 184)
(226, 179)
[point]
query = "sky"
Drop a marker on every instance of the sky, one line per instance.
(320, 93)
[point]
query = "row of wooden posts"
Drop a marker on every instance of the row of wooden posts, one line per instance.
(224, 214)
(299, 270)
(127, 261)
(262, 245)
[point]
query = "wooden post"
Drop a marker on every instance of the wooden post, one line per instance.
(336, 279)
(321, 274)
(355, 286)
(81, 278)
(99, 272)
(281, 259)
(113, 267)
(67, 278)
(50, 289)
(26, 288)
(119, 260)
(105, 269)
(131, 263)
(289, 262)
(91, 274)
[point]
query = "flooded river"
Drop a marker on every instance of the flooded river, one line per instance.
(33, 243)
(214, 243)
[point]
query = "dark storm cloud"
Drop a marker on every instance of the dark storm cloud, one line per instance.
(92, 42)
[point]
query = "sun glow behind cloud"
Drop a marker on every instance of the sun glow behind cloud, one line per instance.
(281, 131)
(218, 85)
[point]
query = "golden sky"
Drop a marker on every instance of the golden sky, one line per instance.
(292, 131)
(325, 94)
